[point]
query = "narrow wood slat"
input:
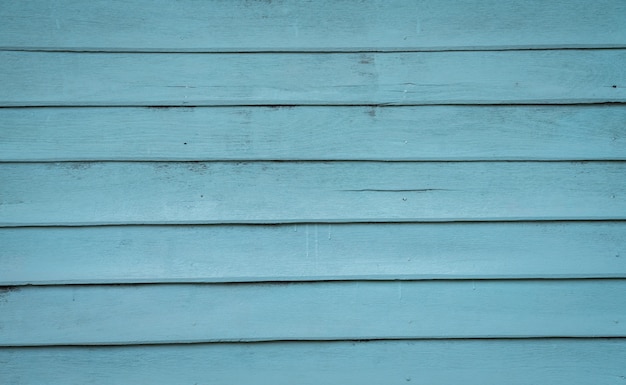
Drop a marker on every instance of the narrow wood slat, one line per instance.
(314, 133)
(133, 254)
(286, 192)
(554, 77)
(291, 25)
(173, 313)
(479, 362)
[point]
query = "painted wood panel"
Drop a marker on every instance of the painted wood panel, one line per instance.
(315, 133)
(132, 254)
(244, 249)
(480, 362)
(310, 25)
(174, 313)
(101, 79)
(280, 192)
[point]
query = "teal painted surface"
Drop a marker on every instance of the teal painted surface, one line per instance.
(175, 313)
(287, 192)
(223, 253)
(315, 133)
(473, 77)
(401, 115)
(292, 25)
(519, 362)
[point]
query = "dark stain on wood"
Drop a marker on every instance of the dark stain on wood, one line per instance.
(197, 167)
(6, 290)
(366, 59)
(397, 190)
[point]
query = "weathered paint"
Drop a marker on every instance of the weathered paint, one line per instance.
(538, 190)
(476, 362)
(295, 25)
(119, 79)
(280, 192)
(447, 133)
(186, 313)
(309, 252)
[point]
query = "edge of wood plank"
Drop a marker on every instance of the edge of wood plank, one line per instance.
(8, 285)
(315, 220)
(313, 103)
(338, 339)
(320, 50)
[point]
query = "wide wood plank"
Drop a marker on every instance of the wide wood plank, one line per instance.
(286, 192)
(248, 253)
(56, 79)
(173, 313)
(315, 133)
(291, 25)
(480, 362)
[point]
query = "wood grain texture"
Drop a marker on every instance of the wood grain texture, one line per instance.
(479, 362)
(245, 253)
(102, 79)
(286, 192)
(173, 313)
(315, 133)
(291, 25)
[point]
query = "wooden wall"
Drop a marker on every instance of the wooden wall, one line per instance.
(313, 192)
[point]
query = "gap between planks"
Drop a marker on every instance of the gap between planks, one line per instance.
(345, 50)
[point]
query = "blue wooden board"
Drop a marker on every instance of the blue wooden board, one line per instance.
(479, 362)
(279, 192)
(132, 254)
(175, 313)
(327, 25)
(508, 77)
(488, 110)
(315, 133)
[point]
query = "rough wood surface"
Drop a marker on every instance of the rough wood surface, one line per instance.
(315, 133)
(292, 25)
(103, 79)
(476, 362)
(286, 192)
(132, 254)
(173, 313)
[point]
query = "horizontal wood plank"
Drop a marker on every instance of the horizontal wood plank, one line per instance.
(176, 313)
(103, 79)
(479, 362)
(287, 192)
(291, 25)
(249, 253)
(314, 133)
